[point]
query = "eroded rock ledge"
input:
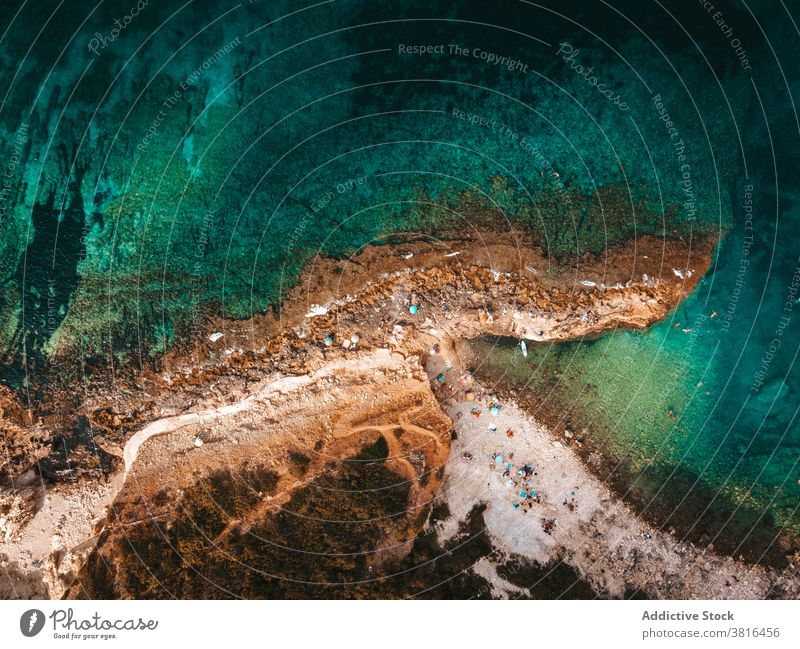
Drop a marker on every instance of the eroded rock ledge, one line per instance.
(284, 401)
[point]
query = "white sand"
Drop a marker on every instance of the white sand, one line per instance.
(606, 542)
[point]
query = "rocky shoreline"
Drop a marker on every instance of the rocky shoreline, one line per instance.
(353, 360)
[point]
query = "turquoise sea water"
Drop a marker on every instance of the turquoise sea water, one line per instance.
(191, 161)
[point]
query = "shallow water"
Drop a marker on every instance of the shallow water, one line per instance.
(666, 404)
